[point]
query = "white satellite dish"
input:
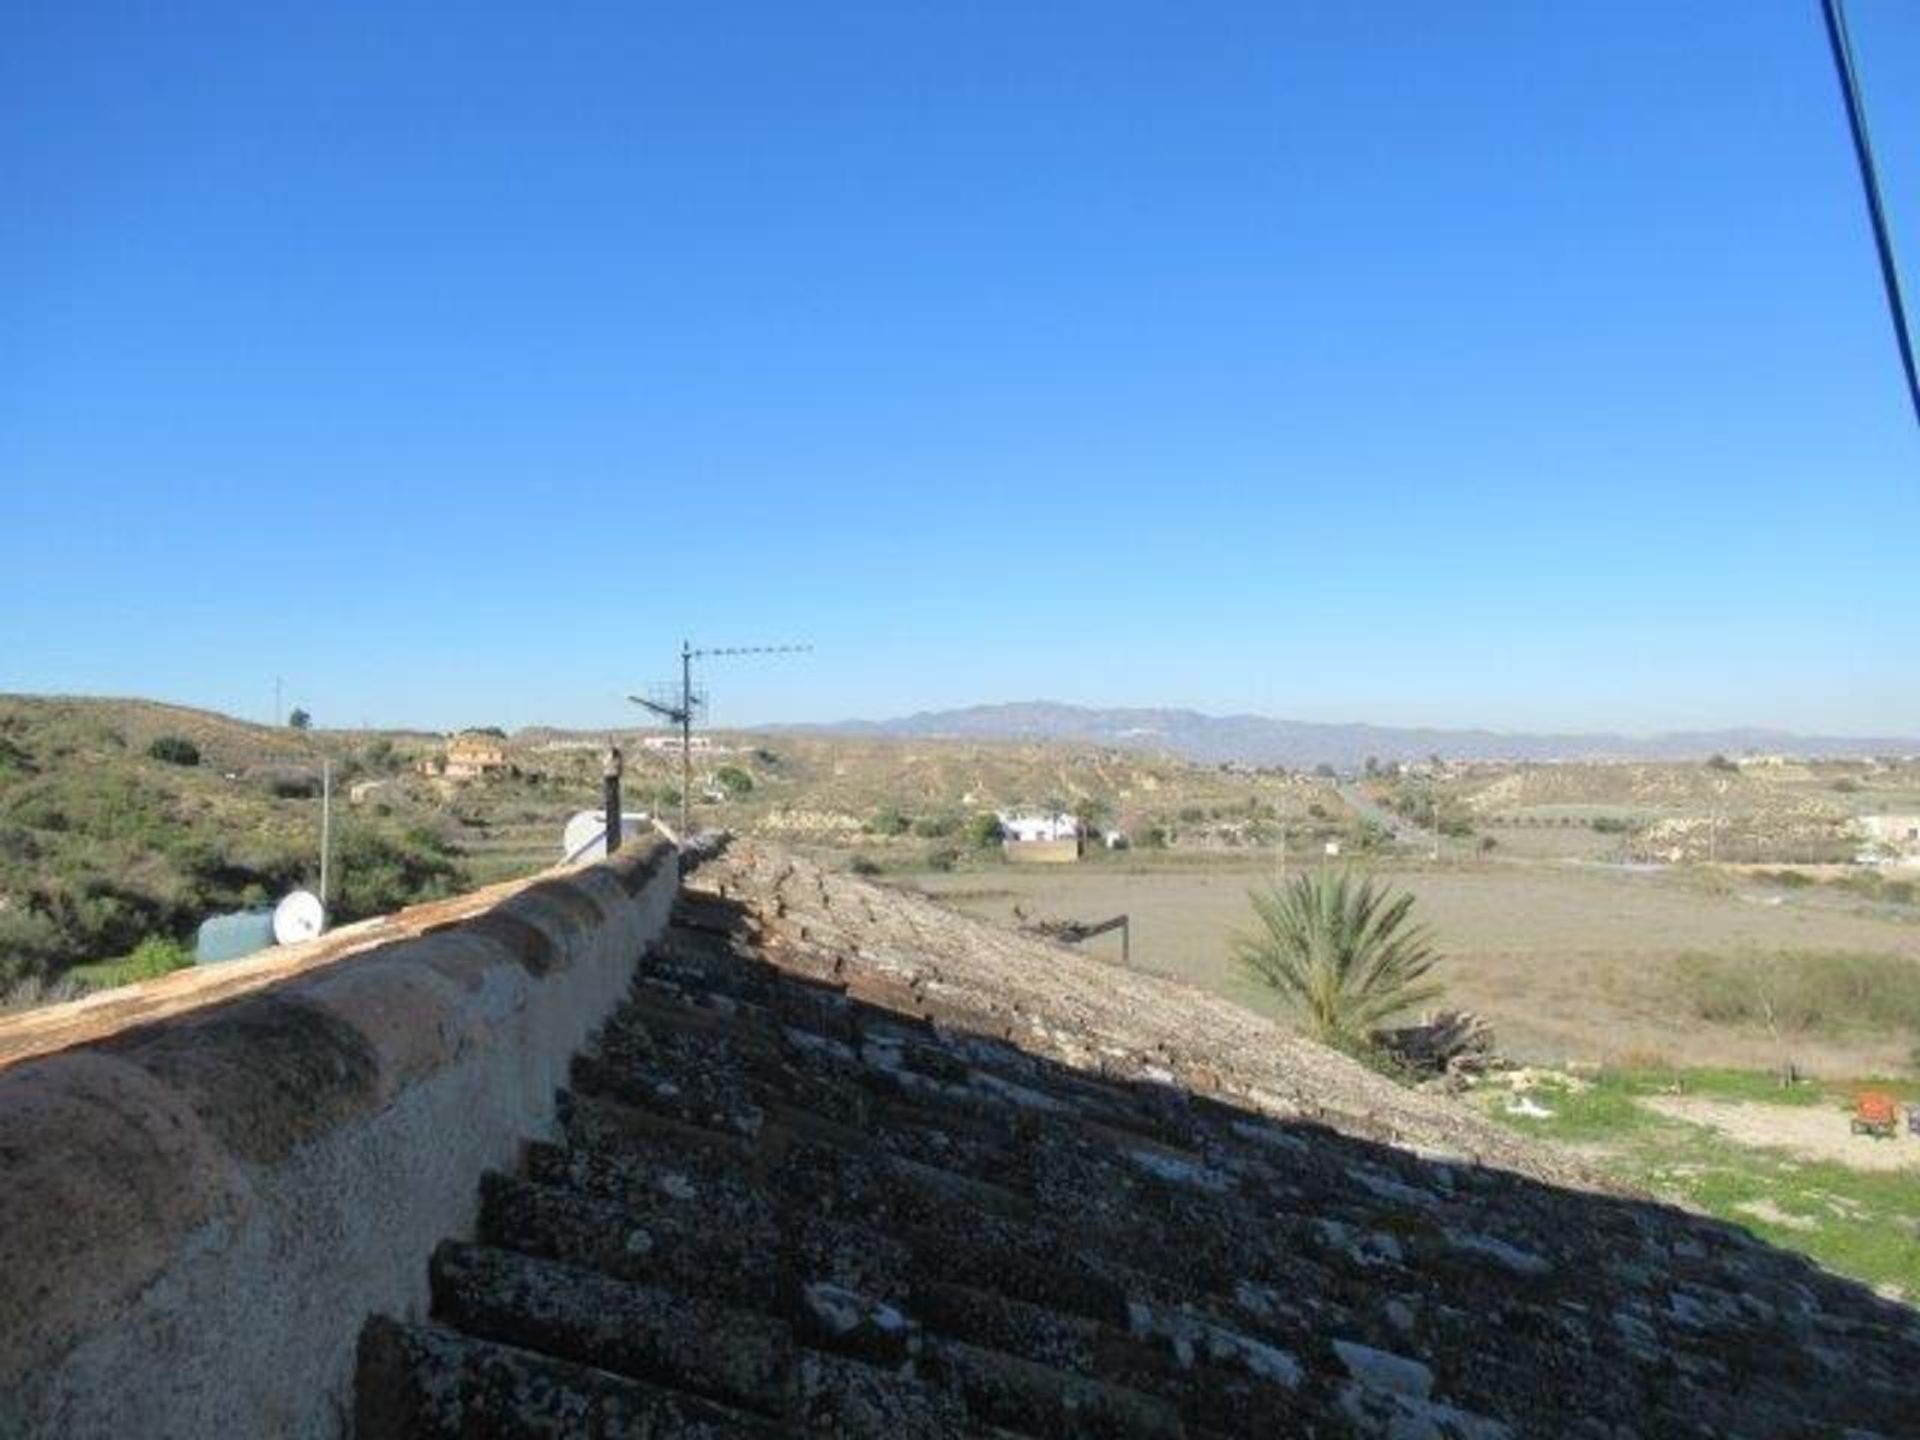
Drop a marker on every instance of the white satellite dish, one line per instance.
(299, 917)
(585, 837)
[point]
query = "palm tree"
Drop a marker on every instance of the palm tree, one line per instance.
(1340, 952)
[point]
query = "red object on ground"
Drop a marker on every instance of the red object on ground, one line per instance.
(1874, 1113)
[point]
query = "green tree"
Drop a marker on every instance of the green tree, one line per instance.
(735, 781)
(985, 831)
(889, 821)
(175, 750)
(299, 719)
(1340, 952)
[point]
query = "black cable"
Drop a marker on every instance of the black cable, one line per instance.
(1869, 177)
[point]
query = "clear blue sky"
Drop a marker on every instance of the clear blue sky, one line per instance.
(1512, 363)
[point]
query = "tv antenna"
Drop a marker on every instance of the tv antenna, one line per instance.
(680, 709)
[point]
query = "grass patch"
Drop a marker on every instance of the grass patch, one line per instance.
(1801, 992)
(153, 957)
(1601, 1109)
(1859, 1223)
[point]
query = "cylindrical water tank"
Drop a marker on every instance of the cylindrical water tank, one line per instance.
(228, 937)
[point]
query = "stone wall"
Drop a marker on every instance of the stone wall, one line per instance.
(198, 1214)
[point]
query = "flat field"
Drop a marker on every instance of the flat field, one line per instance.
(1570, 962)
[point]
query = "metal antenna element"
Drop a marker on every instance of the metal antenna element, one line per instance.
(1842, 45)
(692, 701)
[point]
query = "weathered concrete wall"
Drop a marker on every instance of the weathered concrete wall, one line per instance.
(198, 1214)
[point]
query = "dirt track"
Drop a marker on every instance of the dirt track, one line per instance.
(1814, 1132)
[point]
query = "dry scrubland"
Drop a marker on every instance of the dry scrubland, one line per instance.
(1571, 952)
(1568, 963)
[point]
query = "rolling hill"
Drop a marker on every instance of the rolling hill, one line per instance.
(1263, 740)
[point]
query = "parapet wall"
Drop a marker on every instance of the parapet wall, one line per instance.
(198, 1214)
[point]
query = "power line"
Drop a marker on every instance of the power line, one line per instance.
(1842, 44)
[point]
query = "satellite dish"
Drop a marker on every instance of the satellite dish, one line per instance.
(299, 917)
(585, 837)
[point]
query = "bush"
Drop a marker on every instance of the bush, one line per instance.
(942, 857)
(1610, 825)
(175, 750)
(735, 781)
(1720, 762)
(1154, 837)
(889, 822)
(379, 873)
(863, 865)
(936, 827)
(1801, 992)
(299, 719)
(155, 956)
(985, 831)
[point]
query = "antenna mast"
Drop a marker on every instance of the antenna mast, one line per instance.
(682, 713)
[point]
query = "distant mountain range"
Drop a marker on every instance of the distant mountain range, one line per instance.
(1262, 740)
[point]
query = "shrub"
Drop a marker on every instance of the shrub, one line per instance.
(942, 857)
(1340, 953)
(1154, 837)
(984, 830)
(936, 827)
(299, 719)
(735, 781)
(175, 750)
(1801, 992)
(863, 865)
(889, 821)
(378, 873)
(155, 956)
(1720, 762)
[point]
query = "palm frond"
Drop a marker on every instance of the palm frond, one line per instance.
(1340, 952)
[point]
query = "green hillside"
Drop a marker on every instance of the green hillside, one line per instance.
(123, 820)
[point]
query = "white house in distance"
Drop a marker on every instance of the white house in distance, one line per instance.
(1899, 834)
(1047, 838)
(696, 744)
(1035, 827)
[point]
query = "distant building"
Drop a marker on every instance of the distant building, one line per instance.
(474, 757)
(1897, 834)
(696, 744)
(1040, 838)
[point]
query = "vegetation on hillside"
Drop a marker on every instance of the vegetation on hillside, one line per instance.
(123, 825)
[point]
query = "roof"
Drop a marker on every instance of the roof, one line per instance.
(846, 1163)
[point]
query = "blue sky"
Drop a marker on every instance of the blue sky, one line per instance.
(1510, 363)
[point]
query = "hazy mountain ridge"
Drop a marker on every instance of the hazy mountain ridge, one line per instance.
(1264, 740)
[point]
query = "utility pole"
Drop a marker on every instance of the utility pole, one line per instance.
(326, 829)
(686, 739)
(278, 716)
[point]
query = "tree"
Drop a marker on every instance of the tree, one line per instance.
(985, 831)
(175, 750)
(1340, 953)
(299, 719)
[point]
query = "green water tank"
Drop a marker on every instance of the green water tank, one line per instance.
(228, 937)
